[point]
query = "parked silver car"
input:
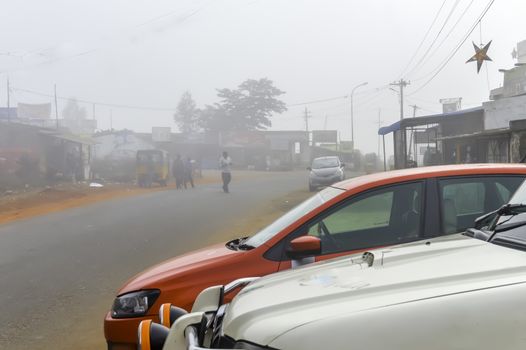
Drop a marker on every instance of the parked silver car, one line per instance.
(325, 171)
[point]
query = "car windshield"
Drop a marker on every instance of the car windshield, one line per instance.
(293, 215)
(510, 230)
(321, 163)
(520, 195)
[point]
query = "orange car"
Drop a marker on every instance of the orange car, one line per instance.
(351, 216)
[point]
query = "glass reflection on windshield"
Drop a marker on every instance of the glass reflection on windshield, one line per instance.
(293, 215)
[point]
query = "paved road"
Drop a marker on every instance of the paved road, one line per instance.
(61, 270)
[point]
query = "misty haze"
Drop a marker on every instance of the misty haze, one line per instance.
(150, 150)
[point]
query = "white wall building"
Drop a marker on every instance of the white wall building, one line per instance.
(509, 101)
(118, 145)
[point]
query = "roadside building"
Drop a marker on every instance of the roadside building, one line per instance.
(420, 141)
(32, 154)
(495, 132)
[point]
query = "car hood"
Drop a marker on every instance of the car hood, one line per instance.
(277, 303)
(325, 171)
(154, 276)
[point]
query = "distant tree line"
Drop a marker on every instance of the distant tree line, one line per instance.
(249, 107)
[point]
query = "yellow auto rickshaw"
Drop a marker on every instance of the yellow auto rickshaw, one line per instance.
(153, 165)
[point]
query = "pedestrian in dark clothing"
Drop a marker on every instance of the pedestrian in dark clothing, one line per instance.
(188, 172)
(178, 171)
(225, 164)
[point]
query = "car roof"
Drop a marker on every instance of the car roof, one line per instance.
(389, 177)
(326, 157)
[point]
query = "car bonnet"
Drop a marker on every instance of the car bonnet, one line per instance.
(280, 302)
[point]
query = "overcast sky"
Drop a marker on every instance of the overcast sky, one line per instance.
(147, 53)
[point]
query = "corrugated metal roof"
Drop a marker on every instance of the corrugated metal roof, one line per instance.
(428, 119)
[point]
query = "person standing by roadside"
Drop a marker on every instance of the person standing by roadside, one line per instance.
(225, 164)
(178, 171)
(188, 172)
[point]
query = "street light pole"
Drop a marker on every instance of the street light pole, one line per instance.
(352, 112)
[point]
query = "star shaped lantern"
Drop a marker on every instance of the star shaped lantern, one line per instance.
(481, 55)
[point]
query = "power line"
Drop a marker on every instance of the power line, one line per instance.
(316, 101)
(42, 51)
(435, 39)
(424, 38)
(365, 92)
(456, 49)
(114, 105)
(445, 38)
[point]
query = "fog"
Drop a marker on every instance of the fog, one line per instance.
(142, 53)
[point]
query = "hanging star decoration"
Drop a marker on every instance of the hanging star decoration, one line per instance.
(481, 55)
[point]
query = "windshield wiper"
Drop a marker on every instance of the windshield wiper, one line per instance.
(245, 246)
(506, 210)
(237, 243)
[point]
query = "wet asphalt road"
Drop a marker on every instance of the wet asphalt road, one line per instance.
(61, 270)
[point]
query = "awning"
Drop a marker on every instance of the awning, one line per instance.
(425, 120)
(69, 137)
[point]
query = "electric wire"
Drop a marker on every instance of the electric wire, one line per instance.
(444, 64)
(423, 39)
(419, 63)
(105, 104)
(443, 41)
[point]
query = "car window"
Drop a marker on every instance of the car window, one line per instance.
(465, 199)
(321, 163)
(293, 215)
(385, 216)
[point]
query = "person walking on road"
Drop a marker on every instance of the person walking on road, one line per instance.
(178, 171)
(225, 164)
(188, 172)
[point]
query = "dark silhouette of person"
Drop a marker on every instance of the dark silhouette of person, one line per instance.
(225, 164)
(178, 171)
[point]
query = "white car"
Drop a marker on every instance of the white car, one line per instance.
(452, 292)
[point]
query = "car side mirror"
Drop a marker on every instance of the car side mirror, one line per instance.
(303, 247)
(309, 168)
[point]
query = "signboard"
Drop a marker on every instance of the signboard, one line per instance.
(161, 134)
(451, 104)
(34, 111)
(325, 136)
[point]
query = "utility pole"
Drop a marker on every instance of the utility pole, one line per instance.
(94, 111)
(56, 106)
(401, 84)
(306, 115)
(379, 126)
(325, 123)
(415, 107)
(8, 106)
(412, 143)
(111, 119)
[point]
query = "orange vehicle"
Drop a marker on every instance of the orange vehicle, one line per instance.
(351, 216)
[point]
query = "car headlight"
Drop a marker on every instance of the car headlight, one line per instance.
(134, 304)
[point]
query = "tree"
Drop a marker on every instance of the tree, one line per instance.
(249, 107)
(187, 114)
(73, 111)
